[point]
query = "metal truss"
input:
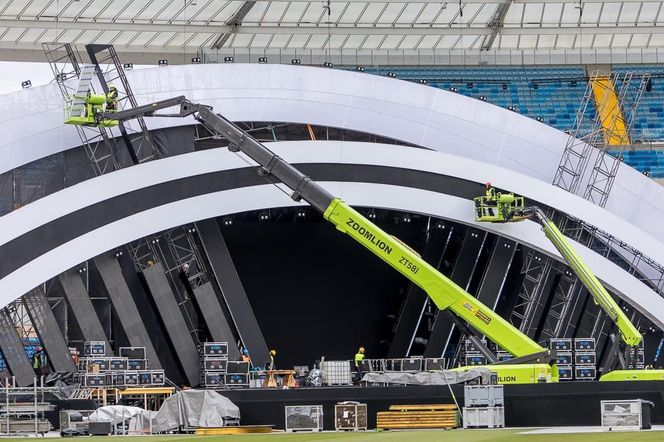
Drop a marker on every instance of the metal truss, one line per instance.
(564, 296)
(178, 252)
(110, 70)
(586, 133)
(630, 89)
(536, 269)
(99, 146)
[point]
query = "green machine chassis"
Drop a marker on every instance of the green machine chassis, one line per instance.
(537, 363)
(497, 207)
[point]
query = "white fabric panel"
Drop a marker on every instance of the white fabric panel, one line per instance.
(422, 115)
(221, 203)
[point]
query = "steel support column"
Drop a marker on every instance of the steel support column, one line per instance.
(416, 298)
(14, 352)
(232, 290)
(81, 306)
(125, 307)
(49, 332)
(174, 322)
(215, 319)
(461, 275)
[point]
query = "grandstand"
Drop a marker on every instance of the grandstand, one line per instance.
(150, 231)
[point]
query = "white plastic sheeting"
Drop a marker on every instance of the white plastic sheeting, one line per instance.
(195, 409)
(361, 194)
(422, 115)
(135, 420)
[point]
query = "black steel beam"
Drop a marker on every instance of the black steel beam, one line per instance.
(125, 307)
(81, 306)
(49, 332)
(215, 319)
(232, 290)
(14, 352)
(416, 298)
(461, 275)
(174, 321)
(496, 272)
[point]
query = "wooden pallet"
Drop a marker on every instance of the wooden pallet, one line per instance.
(418, 416)
(246, 429)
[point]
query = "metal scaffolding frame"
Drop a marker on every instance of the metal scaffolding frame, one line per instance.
(630, 88)
(535, 271)
(139, 141)
(99, 143)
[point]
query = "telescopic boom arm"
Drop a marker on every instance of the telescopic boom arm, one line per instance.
(444, 293)
(628, 331)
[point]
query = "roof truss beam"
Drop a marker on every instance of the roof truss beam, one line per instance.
(234, 22)
(496, 24)
(337, 30)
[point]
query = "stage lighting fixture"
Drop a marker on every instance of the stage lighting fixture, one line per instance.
(482, 98)
(196, 60)
(453, 89)
(406, 218)
(359, 68)
(229, 60)
(264, 216)
(26, 84)
(296, 61)
(128, 66)
(422, 81)
(371, 215)
(163, 62)
(262, 60)
(327, 64)
(540, 119)
(440, 225)
(228, 221)
(392, 75)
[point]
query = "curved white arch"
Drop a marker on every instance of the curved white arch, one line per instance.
(432, 118)
(192, 209)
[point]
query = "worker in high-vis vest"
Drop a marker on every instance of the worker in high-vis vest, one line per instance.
(359, 357)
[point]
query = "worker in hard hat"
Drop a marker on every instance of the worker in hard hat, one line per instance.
(112, 98)
(270, 364)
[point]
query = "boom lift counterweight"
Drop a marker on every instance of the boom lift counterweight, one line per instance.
(498, 207)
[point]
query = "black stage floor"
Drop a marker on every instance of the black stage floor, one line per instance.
(565, 403)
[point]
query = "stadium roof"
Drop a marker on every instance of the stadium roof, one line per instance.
(149, 27)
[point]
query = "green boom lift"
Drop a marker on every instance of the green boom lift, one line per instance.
(498, 207)
(532, 363)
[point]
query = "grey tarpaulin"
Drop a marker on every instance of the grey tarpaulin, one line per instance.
(429, 378)
(194, 409)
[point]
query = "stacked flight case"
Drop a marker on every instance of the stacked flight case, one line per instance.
(576, 358)
(98, 368)
(473, 354)
(217, 371)
(585, 359)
